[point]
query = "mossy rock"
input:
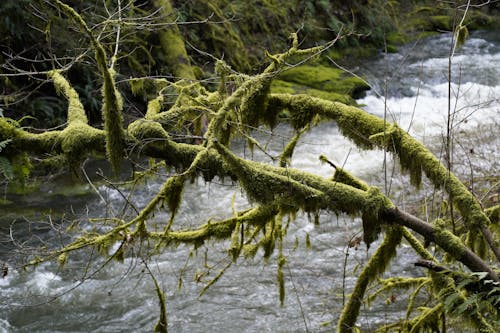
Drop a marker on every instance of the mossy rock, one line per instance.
(284, 87)
(327, 79)
(479, 20)
(441, 22)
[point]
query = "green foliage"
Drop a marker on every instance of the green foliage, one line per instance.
(6, 168)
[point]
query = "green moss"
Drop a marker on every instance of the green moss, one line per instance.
(329, 79)
(286, 155)
(172, 43)
(8, 130)
(112, 102)
(76, 112)
(429, 319)
(263, 186)
(219, 229)
(142, 129)
(172, 193)
(396, 38)
(493, 214)
(253, 104)
(78, 140)
(154, 107)
(280, 278)
(236, 241)
(376, 203)
(449, 242)
(345, 177)
(376, 265)
(441, 22)
(284, 87)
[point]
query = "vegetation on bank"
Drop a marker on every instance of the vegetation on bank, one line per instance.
(231, 68)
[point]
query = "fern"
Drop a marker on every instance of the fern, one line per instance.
(4, 144)
(6, 168)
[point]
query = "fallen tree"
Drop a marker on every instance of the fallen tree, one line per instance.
(242, 103)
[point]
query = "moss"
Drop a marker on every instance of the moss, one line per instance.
(8, 130)
(417, 245)
(172, 43)
(429, 319)
(62, 259)
(284, 87)
(142, 129)
(376, 265)
(78, 140)
(449, 242)
(345, 177)
(76, 112)
(441, 22)
(236, 241)
(112, 102)
(263, 186)
(113, 121)
(162, 325)
(286, 155)
(154, 107)
(325, 78)
(413, 155)
(375, 203)
(396, 38)
(172, 192)
(493, 214)
(219, 229)
(389, 284)
(280, 278)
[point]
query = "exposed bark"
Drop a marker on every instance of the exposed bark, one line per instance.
(450, 243)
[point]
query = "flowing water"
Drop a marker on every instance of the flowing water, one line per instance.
(120, 297)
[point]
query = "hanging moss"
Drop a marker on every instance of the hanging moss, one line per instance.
(162, 325)
(219, 229)
(428, 320)
(493, 214)
(376, 265)
(254, 104)
(286, 155)
(376, 203)
(236, 241)
(413, 155)
(280, 278)
(112, 102)
(113, 122)
(172, 191)
(263, 186)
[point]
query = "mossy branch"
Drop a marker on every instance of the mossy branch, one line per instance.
(112, 106)
(76, 112)
(376, 265)
(363, 127)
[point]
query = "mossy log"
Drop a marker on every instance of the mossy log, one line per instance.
(242, 102)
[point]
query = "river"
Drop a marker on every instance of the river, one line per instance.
(120, 297)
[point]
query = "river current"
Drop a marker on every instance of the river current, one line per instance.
(120, 297)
